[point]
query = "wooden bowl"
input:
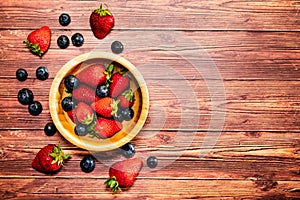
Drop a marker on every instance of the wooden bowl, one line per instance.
(65, 125)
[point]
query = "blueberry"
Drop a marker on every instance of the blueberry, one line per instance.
(81, 129)
(25, 96)
(128, 150)
(87, 164)
(152, 162)
(63, 41)
(77, 39)
(21, 74)
(64, 19)
(117, 47)
(50, 129)
(118, 116)
(102, 91)
(68, 104)
(71, 82)
(42, 73)
(127, 114)
(35, 108)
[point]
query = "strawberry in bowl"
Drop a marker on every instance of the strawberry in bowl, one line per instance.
(99, 101)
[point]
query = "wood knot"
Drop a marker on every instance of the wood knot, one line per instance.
(253, 134)
(264, 182)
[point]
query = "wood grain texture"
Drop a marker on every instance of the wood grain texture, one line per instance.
(232, 63)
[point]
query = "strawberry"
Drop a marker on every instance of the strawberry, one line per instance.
(123, 173)
(72, 116)
(101, 22)
(49, 159)
(38, 41)
(85, 94)
(107, 107)
(93, 75)
(84, 113)
(126, 99)
(106, 128)
(119, 84)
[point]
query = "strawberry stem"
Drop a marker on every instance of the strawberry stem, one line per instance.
(103, 12)
(58, 155)
(114, 106)
(109, 70)
(34, 48)
(113, 184)
(128, 94)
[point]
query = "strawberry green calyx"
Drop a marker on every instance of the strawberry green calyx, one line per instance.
(34, 48)
(89, 119)
(58, 155)
(114, 106)
(128, 94)
(109, 70)
(113, 184)
(103, 12)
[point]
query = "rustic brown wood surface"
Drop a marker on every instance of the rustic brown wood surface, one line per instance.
(254, 47)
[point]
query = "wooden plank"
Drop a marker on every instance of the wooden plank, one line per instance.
(248, 105)
(94, 188)
(196, 55)
(168, 15)
(236, 155)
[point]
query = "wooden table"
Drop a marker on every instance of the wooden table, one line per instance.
(223, 79)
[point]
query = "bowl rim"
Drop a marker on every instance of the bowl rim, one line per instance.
(72, 138)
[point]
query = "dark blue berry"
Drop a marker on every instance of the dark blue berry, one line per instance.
(21, 74)
(25, 96)
(71, 82)
(128, 150)
(127, 114)
(118, 116)
(64, 19)
(102, 91)
(81, 129)
(77, 39)
(87, 164)
(117, 47)
(50, 129)
(68, 104)
(42, 73)
(63, 41)
(152, 162)
(35, 108)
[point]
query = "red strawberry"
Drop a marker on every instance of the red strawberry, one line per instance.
(38, 41)
(119, 84)
(126, 99)
(106, 128)
(93, 75)
(49, 159)
(123, 173)
(101, 22)
(72, 116)
(84, 113)
(85, 94)
(106, 107)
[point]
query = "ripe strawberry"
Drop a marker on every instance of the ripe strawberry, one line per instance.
(72, 116)
(119, 84)
(107, 107)
(93, 75)
(84, 113)
(101, 22)
(127, 99)
(38, 41)
(123, 173)
(106, 128)
(85, 94)
(49, 159)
